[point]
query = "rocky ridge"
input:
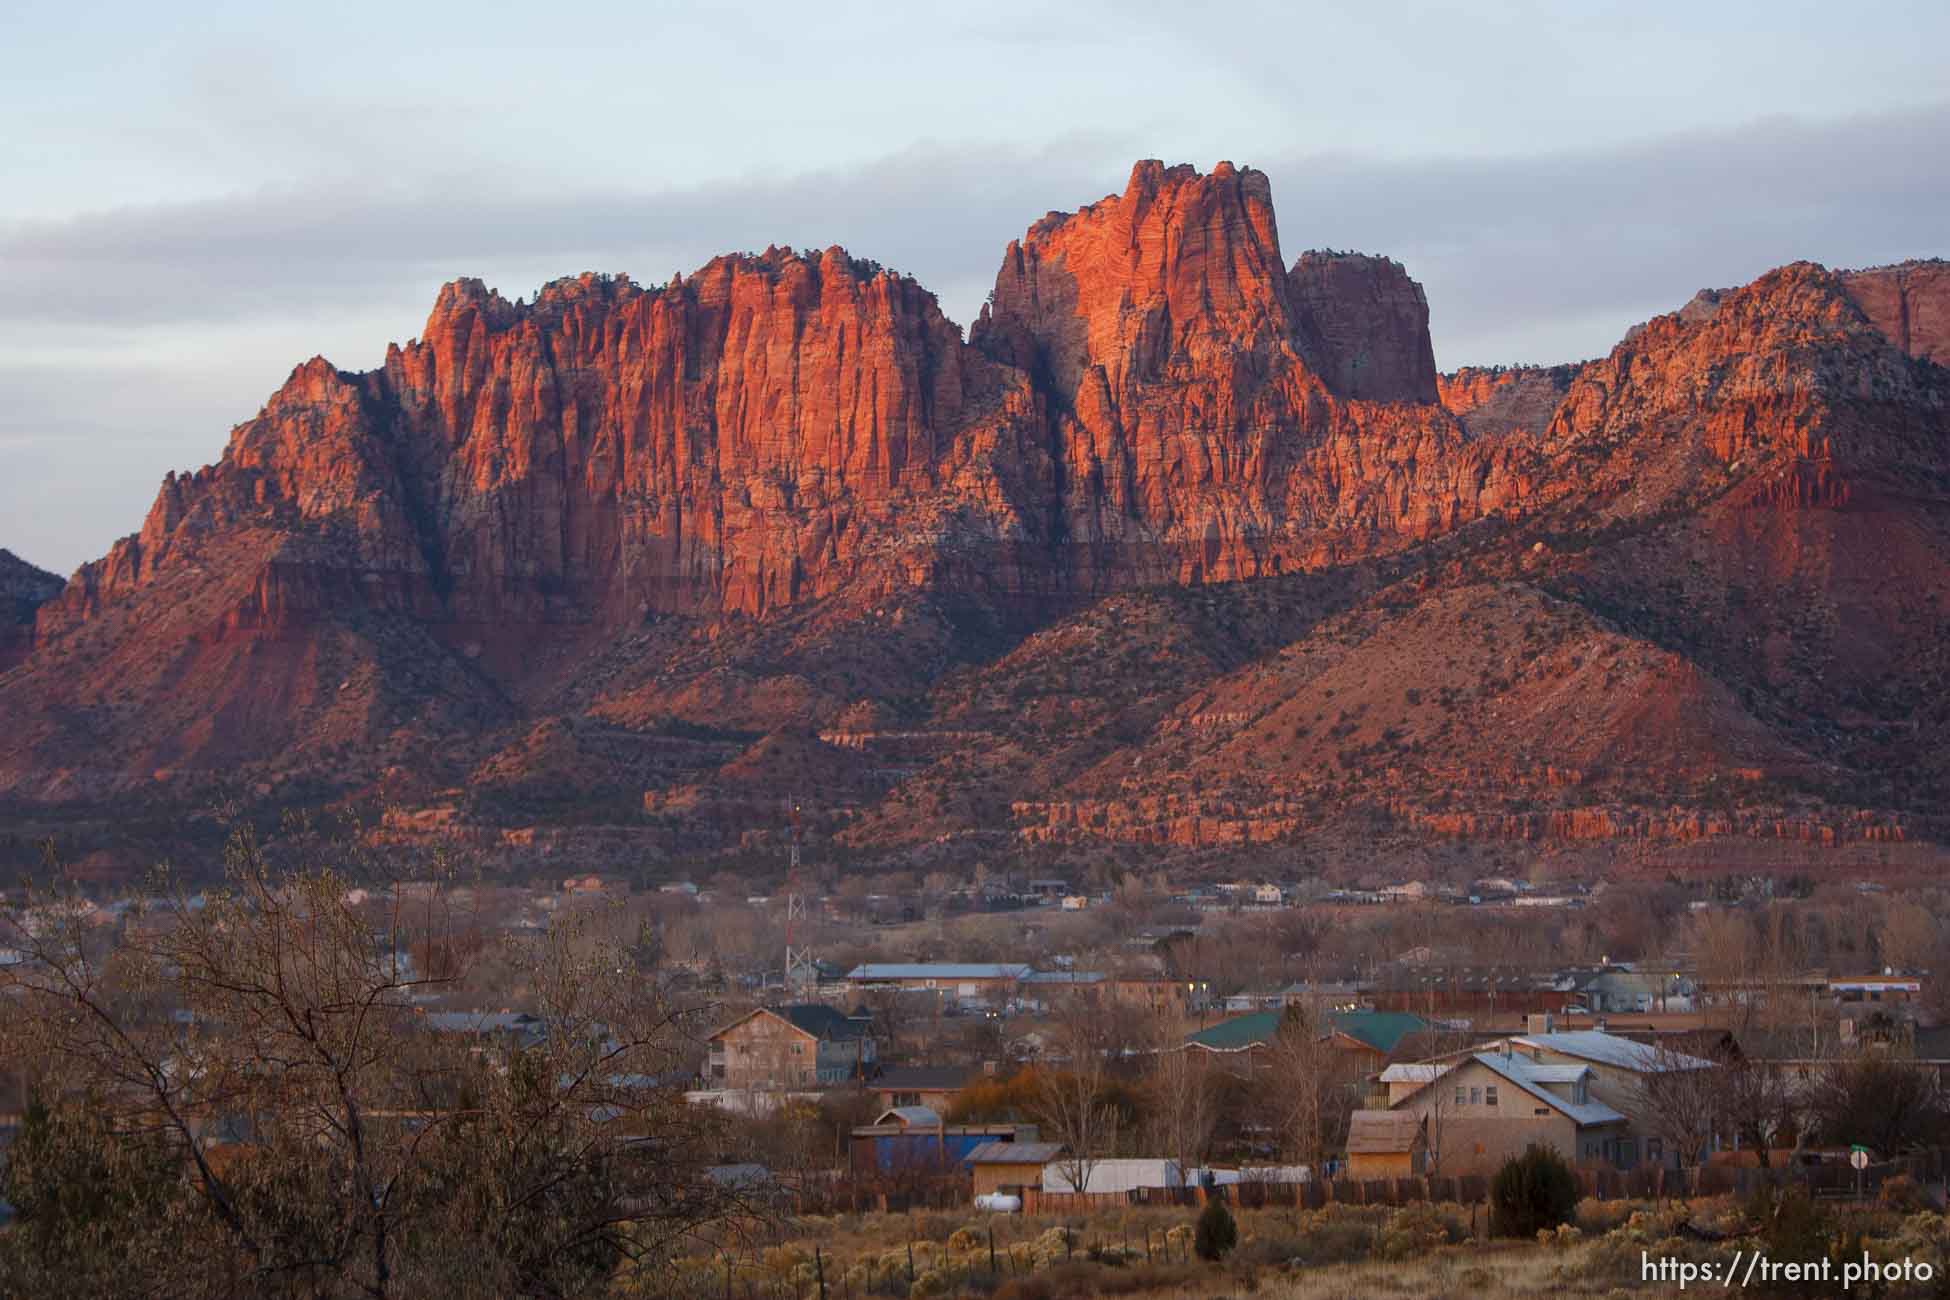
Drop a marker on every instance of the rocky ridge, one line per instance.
(676, 543)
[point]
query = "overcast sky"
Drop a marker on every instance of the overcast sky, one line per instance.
(194, 198)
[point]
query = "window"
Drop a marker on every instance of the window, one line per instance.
(1541, 1110)
(1475, 1096)
(1489, 1095)
(1462, 1094)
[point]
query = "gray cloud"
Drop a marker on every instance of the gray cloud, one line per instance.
(934, 211)
(1506, 245)
(1559, 253)
(1540, 258)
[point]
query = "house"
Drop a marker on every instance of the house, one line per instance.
(1075, 902)
(1009, 1166)
(919, 1085)
(1268, 895)
(1619, 1068)
(797, 1046)
(1374, 1034)
(1621, 988)
(1387, 1144)
(993, 982)
(1490, 1106)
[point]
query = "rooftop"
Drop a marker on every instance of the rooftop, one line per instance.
(911, 1117)
(938, 971)
(1013, 1153)
(1524, 1073)
(1611, 1049)
(1379, 1132)
(814, 1018)
(1415, 1071)
(1381, 1030)
(921, 1078)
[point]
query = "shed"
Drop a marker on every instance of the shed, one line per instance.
(1387, 1144)
(1009, 1166)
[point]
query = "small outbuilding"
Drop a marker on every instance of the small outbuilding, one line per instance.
(1009, 1166)
(1387, 1144)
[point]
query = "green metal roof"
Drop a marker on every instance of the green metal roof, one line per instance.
(1239, 1032)
(1381, 1030)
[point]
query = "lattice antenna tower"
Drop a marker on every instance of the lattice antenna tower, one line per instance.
(800, 972)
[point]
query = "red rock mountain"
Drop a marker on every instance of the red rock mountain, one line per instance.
(23, 590)
(1184, 545)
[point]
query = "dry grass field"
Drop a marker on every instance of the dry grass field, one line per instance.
(1421, 1252)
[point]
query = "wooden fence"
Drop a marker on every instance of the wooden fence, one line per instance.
(1829, 1179)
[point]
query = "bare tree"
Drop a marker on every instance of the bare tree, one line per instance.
(1887, 1105)
(1682, 1101)
(1724, 942)
(1183, 1102)
(1434, 1051)
(1310, 1086)
(1755, 1103)
(1071, 1104)
(264, 1040)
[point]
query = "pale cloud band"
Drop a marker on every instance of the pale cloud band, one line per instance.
(153, 328)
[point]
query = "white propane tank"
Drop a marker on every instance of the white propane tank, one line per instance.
(998, 1202)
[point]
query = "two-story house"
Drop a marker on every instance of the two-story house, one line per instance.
(1619, 1069)
(1486, 1107)
(807, 1045)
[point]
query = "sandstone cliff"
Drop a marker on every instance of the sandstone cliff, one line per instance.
(1504, 399)
(1909, 303)
(1194, 439)
(1365, 325)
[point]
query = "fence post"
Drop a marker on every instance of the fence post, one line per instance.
(992, 1269)
(819, 1271)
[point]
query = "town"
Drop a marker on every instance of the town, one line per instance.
(1018, 1047)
